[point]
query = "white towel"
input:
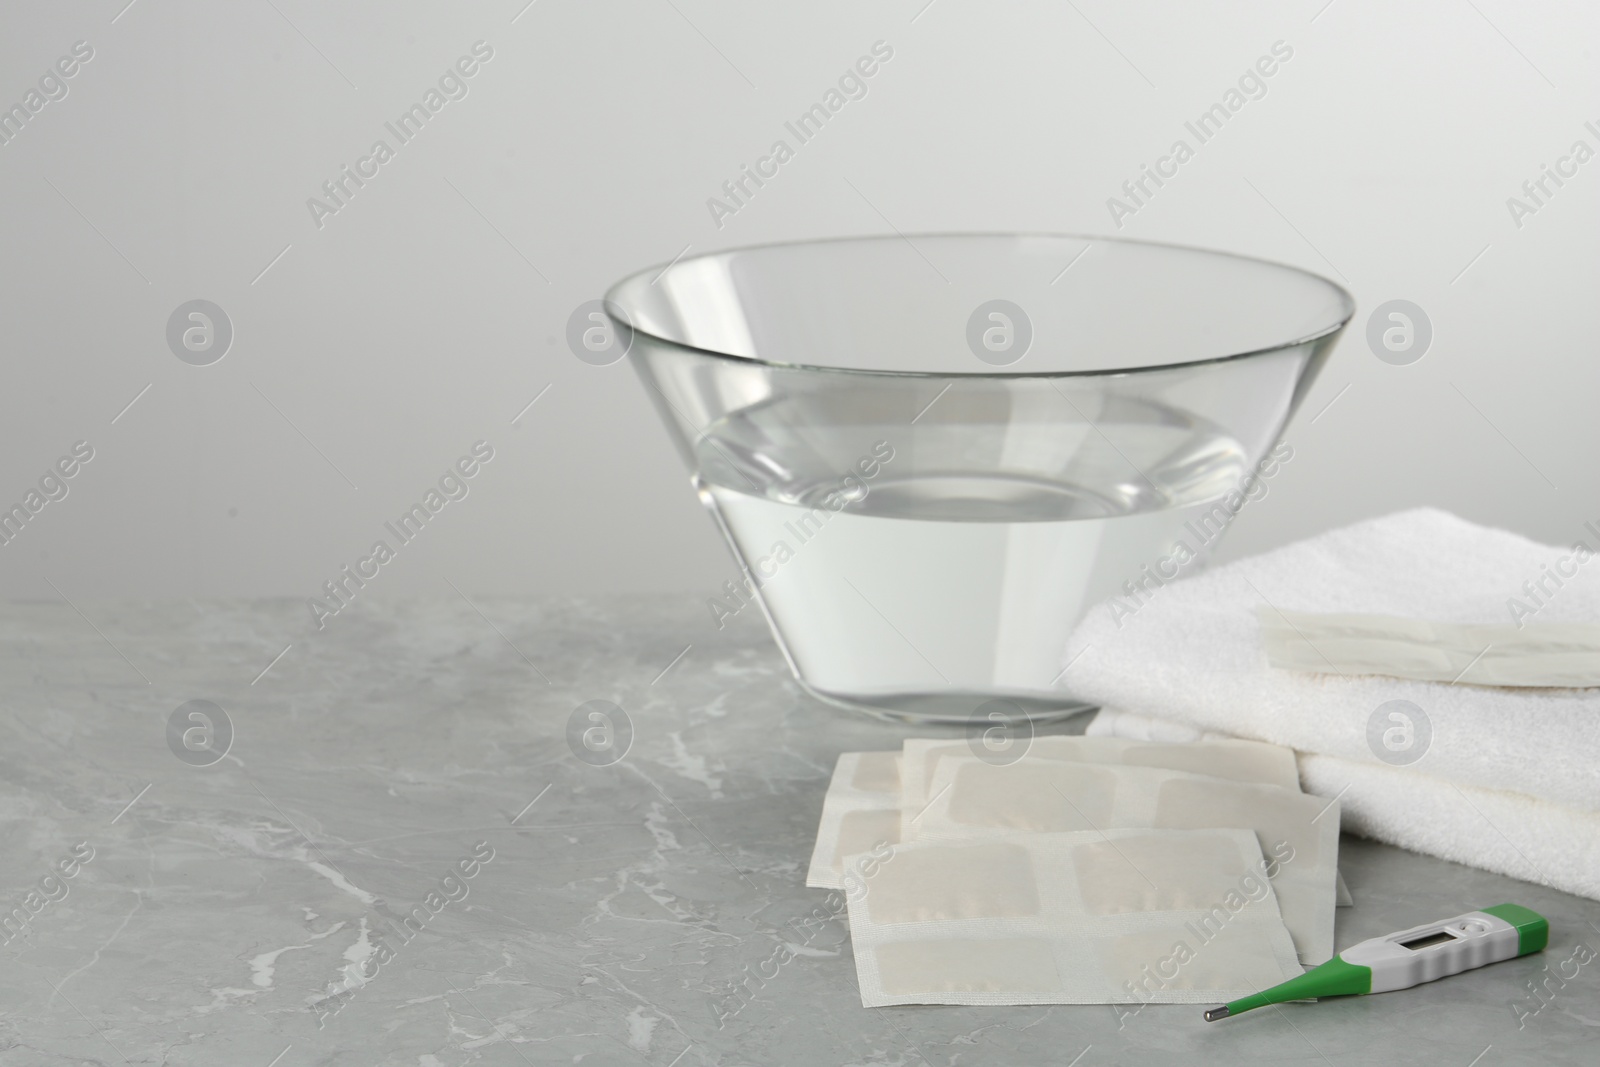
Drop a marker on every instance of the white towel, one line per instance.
(1499, 831)
(1190, 651)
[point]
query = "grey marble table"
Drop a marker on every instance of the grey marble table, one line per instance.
(180, 908)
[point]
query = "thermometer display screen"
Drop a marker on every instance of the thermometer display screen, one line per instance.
(1428, 940)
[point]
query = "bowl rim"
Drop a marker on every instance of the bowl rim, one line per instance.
(618, 313)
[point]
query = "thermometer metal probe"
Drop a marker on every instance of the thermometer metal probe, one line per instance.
(1410, 957)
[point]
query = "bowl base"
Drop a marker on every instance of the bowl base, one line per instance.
(947, 707)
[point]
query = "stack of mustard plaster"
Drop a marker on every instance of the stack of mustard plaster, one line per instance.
(1078, 870)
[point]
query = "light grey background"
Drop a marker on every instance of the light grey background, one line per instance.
(371, 353)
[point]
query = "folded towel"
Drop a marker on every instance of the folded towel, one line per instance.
(1492, 829)
(1190, 651)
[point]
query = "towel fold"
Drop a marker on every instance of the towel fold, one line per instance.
(1190, 651)
(1496, 830)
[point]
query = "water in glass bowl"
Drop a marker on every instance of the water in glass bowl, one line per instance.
(923, 570)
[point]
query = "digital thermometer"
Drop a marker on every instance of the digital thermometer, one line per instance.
(1410, 957)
